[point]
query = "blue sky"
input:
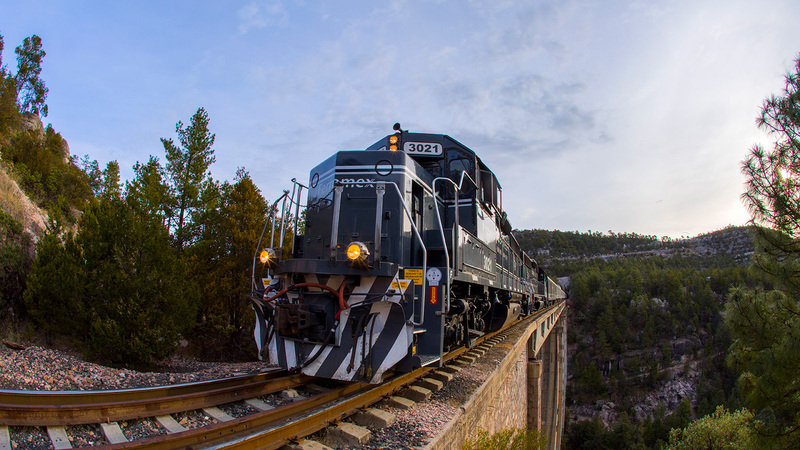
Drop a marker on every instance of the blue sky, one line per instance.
(595, 115)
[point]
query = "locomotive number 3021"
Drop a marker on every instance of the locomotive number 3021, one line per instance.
(422, 148)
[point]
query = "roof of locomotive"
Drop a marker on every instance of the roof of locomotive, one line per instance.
(405, 136)
(446, 142)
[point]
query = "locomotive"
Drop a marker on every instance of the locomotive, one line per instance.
(405, 255)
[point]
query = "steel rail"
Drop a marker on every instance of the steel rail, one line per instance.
(243, 426)
(45, 408)
(279, 426)
(292, 431)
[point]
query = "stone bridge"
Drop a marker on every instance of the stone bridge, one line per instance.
(526, 391)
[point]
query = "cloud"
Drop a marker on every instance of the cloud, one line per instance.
(629, 116)
(262, 14)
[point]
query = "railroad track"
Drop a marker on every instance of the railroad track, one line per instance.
(267, 424)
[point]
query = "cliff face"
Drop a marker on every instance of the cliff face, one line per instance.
(13, 200)
(15, 203)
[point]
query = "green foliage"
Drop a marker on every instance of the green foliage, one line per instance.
(590, 384)
(635, 316)
(9, 113)
(55, 286)
(766, 350)
(574, 243)
(585, 434)
(15, 263)
(46, 172)
(222, 259)
(127, 297)
(773, 186)
(763, 320)
(148, 190)
(507, 439)
(188, 176)
(720, 430)
(139, 295)
(592, 434)
(40, 162)
(30, 87)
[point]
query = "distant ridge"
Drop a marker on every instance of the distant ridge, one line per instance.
(549, 246)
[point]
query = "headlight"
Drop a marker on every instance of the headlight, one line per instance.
(357, 252)
(267, 256)
(393, 139)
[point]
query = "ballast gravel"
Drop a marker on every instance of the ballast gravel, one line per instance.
(41, 369)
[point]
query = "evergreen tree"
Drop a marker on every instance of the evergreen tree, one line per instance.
(136, 285)
(30, 88)
(188, 175)
(123, 292)
(110, 186)
(765, 323)
(58, 309)
(9, 113)
(721, 430)
(149, 190)
(221, 261)
(15, 263)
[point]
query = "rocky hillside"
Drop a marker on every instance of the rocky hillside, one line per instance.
(736, 242)
(28, 137)
(733, 241)
(14, 202)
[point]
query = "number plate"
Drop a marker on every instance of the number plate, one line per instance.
(422, 148)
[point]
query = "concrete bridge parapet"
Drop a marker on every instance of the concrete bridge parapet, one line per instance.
(526, 390)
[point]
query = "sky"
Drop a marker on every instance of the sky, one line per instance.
(623, 116)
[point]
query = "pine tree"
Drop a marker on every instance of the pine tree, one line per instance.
(9, 113)
(765, 322)
(221, 260)
(149, 190)
(188, 175)
(30, 87)
(719, 430)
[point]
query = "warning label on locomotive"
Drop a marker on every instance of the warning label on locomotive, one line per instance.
(414, 275)
(402, 284)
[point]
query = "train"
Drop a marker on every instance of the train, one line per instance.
(403, 254)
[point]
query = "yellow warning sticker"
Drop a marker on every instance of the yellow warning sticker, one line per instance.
(414, 275)
(402, 285)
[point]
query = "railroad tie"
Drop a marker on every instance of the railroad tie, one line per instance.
(170, 424)
(5, 438)
(258, 404)
(218, 414)
(58, 436)
(113, 433)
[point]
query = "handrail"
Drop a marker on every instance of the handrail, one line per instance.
(297, 207)
(444, 241)
(456, 226)
(258, 246)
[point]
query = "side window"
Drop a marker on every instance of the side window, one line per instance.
(491, 193)
(456, 168)
(487, 187)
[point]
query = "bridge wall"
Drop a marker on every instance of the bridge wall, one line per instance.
(526, 390)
